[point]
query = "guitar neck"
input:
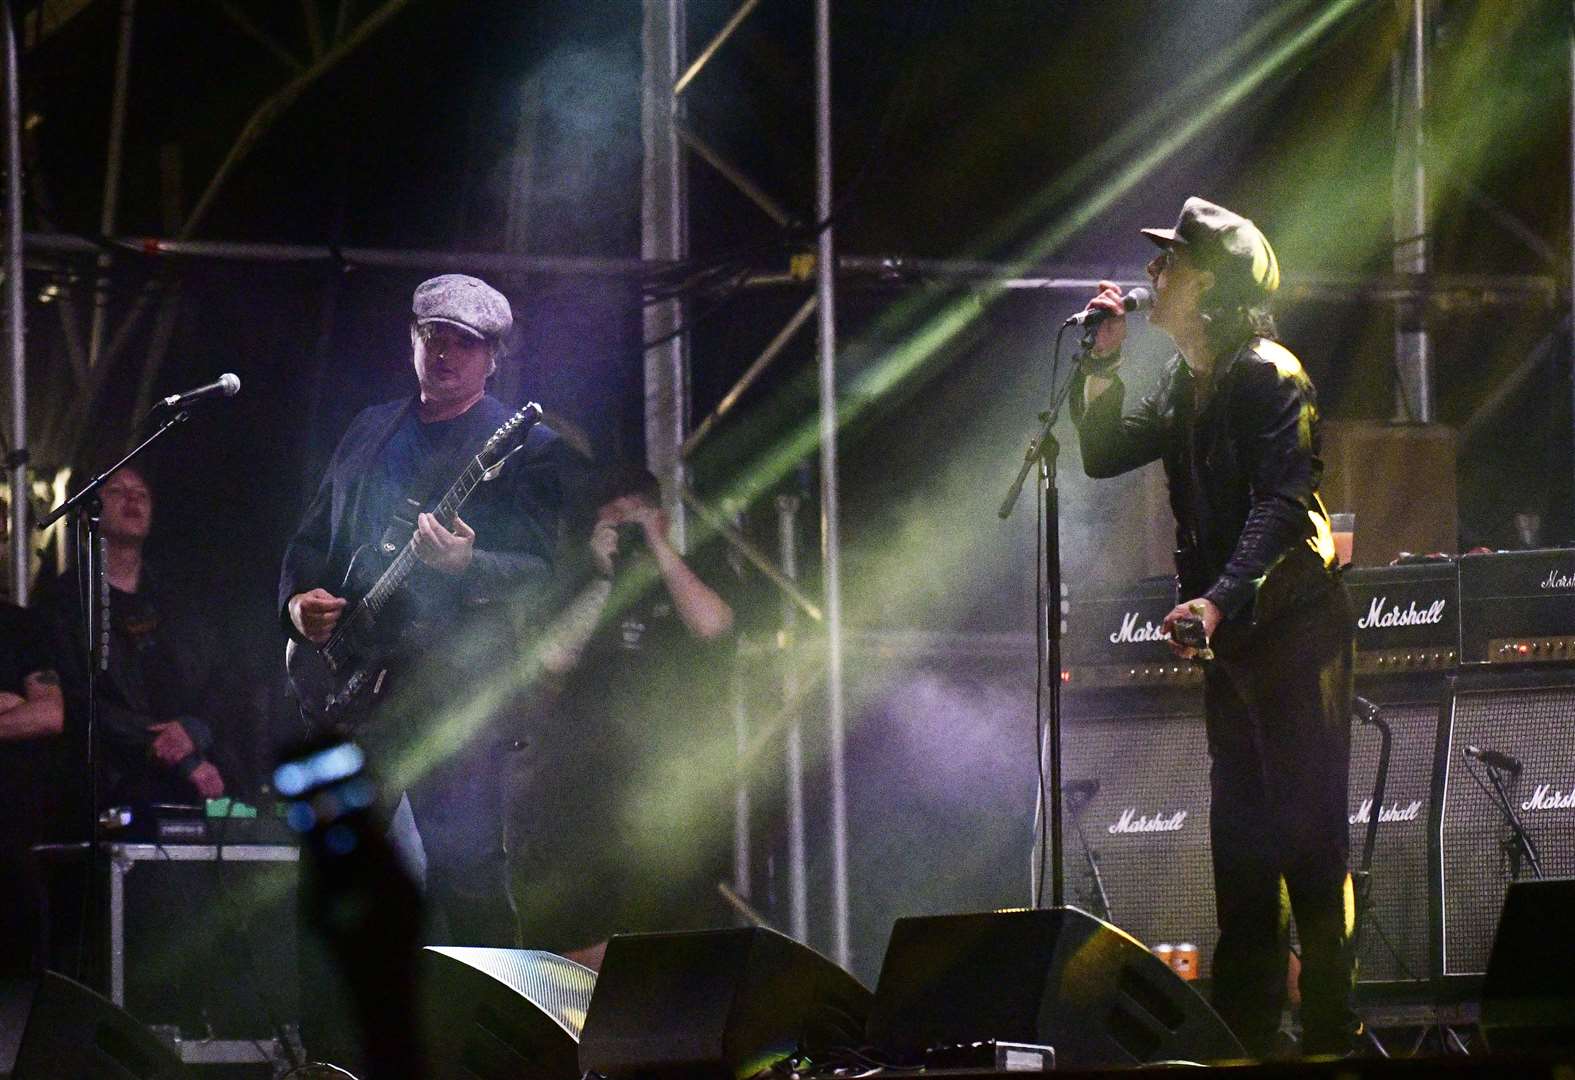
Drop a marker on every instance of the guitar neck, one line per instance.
(398, 570)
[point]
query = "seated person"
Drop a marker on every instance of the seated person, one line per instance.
(628, 770)
(156, 742)
(32, 715)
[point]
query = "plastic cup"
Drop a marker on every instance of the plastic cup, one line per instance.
(1343, 525)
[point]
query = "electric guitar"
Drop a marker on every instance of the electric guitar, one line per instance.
(338, 681)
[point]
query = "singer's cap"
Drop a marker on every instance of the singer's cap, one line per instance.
(1224, 242)
(463, 301)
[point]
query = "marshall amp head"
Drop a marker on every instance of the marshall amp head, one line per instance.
(1407, 618)
(1113, 639)
(1518, 607)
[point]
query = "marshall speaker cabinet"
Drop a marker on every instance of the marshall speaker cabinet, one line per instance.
(1529, 717)
(1516, 700)
(1407, 641)
(1135, 767)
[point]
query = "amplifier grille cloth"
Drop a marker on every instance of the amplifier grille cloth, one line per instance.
(1160, 882)
(1537, 726)
(1394, 935)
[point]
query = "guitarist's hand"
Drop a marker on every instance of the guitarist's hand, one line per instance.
(448, 552)
(315, 614)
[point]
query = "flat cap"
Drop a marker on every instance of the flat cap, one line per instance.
(1225, 242)
(463, 301)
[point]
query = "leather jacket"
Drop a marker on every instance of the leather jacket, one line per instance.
(1252, 534)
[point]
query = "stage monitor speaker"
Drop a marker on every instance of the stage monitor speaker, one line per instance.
(1136, 798)
(73, 1032)
(491, 1014)
(1526, 715)
(1056, 977)
(716, 1003)
(1528, 1002)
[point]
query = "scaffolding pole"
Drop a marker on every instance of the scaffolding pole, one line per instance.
(830, 503)
(16, 465)
(1413, 346)
(664, 219)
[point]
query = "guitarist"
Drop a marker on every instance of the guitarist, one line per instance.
(432, 729)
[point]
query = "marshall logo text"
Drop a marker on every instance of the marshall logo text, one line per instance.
(1130, 822)
(1393, 812)
(1544, 798)
(1131, 632)
(1557, 580)
(1377, 618)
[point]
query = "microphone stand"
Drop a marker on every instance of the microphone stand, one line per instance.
(1522, 839)
(1097, 879)
(94, 586)
(1043, 450)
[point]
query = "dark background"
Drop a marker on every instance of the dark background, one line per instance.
(990, 131)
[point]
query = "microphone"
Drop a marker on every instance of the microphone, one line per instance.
(1365, 709)
(1139, 299)
(226, 385)
(1493, 758)
(1081, 790)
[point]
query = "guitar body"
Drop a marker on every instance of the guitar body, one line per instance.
(339, 682)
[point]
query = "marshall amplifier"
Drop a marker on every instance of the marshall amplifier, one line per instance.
(1407, 618)
(1407, 643)
(1518, 607)
(1529, 716)
(1136, 802)
(1113, 639)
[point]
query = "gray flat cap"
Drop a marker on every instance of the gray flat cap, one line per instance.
(463, 301)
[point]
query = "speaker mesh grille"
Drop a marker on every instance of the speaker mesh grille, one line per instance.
(1534, 725)
(560, 988)
(1394, 934)
(1150, 767)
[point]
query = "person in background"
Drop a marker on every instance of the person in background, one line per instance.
(629, 773)
(32, 715)
(160, 703)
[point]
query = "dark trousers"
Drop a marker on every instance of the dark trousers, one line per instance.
(458, 804)
(1278, 706)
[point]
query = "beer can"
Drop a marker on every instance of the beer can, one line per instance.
(1184, 961)
(1165, 952)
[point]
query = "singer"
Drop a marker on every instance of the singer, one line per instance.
(1235, 422)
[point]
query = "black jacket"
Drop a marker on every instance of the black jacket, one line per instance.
(515, 515)
(1252, 535)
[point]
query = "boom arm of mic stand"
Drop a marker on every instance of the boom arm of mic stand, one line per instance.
(1522, 837)
(1036, 447)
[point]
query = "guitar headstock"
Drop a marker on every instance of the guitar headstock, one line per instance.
(508, 438)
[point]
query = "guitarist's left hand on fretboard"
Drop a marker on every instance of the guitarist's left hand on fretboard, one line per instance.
(449, 552)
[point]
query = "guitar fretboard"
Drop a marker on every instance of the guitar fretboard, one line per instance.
(379, 594)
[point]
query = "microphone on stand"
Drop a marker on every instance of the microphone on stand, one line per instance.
(1139, 299)
(1365, 709)
(226, 385)
(1493, 758)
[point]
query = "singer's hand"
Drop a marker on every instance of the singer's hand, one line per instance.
(1200, 608)
(1113, 331)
